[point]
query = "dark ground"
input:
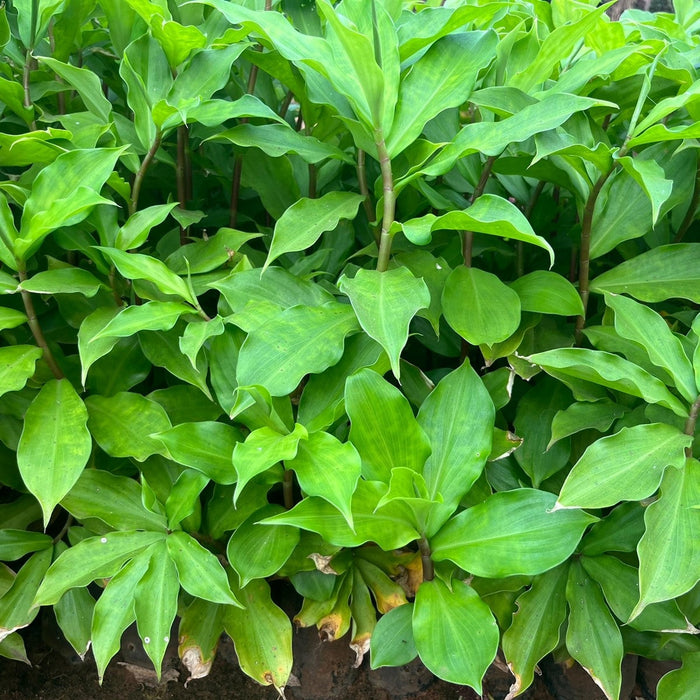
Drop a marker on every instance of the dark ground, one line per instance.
(324, 670)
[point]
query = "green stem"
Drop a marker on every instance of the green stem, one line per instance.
(690, 425)
(138, 180)
(25, 84)
(585, 252)
(35, 327)
(389, 212)
(426, 559)
(468, 236)
(288, 489)
(690, 214)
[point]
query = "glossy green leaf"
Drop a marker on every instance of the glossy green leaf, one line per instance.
(114, 610)
(14, 544)
(669, 559)
(184, 498)
(392, 641)
(457, 416)
(644, 326)
(607, 370)
(650, 176)
(74, 616)
(55, 444)
(151, 316)
(262, 449)
(300, 340)
(327, 468)
(619, 531)
(593, 637)
(478, 306)
(155, 604)
(511, 533)
(547, 293)
(264, 649)
(16, 366)
(535, 629)
(16, 609)
(385, 303)
(382, 426)
(661, 273)
(91, 559)
(200, 572)
(682, 683)
(388, 526)
(258, 551)
(63, 280)
(627, 466)
(196, 334)
(489, 214)
(304, 222)
(206, 446)
(599, 415)
(116, 500)
(11, 318)
(454, 631)
(135, 231)
(122, 424)
(12, 647)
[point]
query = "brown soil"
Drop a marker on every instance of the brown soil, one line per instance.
(324, 670)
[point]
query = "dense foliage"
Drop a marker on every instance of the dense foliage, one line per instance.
(394, 299)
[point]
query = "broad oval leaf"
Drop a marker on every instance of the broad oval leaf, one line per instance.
(547, 293)
(63, 280)
(627, 466)
(135, 231)
(55, 444)
(682, 683)
(478, 306)
(385, 303)
(151, 316)
(392, 641)
(455, 632)
(16, 366)
(511, 533)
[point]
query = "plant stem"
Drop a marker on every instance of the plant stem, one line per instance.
(690, 214)
(527, 211)
(284, 107)
(25, 84)
(690, 425)
(288, 489)
(585, 252)
(426, 559)
(468, 236)
(35, 327)
(389, 202)
(138, 180)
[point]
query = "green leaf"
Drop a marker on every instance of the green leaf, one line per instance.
(264, 649)
(183, 499)
(151, 316)
(607, 370)
(135, 266)
(206, 446)
(455, 632)
(457, 416)
(116, 500)
(55, 444)
(178, 41)
(135, 231)
(200, 572)
(389, 526)
(86, 83)
(511, 533)
(489, 214)
(74, 616)
(644, 326)
(535, 629)
(546, 292)
(593, 637)
(63, 280)
(14, 544)
(196, 334)
(155, 604)
(385, 303)
(619, 531)
(382, 427)
(199, 631)
(669, 559)
(443, 77)
(650, 176)
(682, 683)
(122, 424)
(661, 273)
(91, 559)
(256, 551)
(16, 610)
(582, 415)
(63, 193)
(262, 449)
(392, 641)
(17, 366)
(327, 468)
(114, 610)
(478, 306)
(300, 340)
(303, 223)
(205, 255)
(627, 466)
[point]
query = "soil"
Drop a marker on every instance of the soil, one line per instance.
(324, 670)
